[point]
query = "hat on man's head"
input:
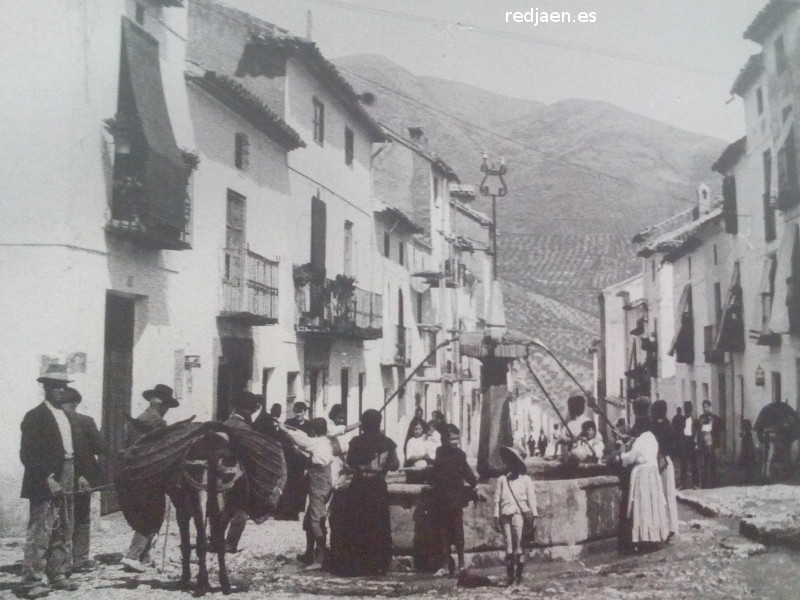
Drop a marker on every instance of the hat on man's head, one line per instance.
(55, 375)
(245, 399)
(512, 458)
(163, 393)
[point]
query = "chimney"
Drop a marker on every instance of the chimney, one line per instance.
(418, 135)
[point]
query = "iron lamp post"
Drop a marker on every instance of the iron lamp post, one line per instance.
(493, 185)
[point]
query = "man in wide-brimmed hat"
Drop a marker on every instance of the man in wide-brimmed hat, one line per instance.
(161, 399)
(46, 452)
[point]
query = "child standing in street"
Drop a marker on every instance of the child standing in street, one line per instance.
(319, 449)
(514, 503)
(450, 476)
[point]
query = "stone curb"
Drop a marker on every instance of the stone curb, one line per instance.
(697, 504)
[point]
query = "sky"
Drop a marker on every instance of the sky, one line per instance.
(672, 60)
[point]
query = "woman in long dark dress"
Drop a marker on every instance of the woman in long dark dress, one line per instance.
(361, 536)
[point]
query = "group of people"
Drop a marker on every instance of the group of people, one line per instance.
(58, 450)
(698, 446)
(336, 477)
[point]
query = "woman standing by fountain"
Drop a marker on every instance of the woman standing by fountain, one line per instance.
(647, 505)
(361, 537)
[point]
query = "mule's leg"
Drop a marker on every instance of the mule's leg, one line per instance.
(183, 517)
(218, 527)
(202, 544)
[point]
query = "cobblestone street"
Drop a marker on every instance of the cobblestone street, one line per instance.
(708, 560)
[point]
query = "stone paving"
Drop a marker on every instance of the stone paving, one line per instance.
(767, 513)
(708, 560)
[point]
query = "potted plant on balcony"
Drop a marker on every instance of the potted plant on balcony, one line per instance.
(342, 289)
(303, 274)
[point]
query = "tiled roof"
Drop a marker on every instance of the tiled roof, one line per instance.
(730, 156)
(268, 36)
(309, 54)
(665, 226)
(475, 215)
(768, 19)
(431, 157)
(398, 214)
(673, 243)
(239, 99)
(748, 75)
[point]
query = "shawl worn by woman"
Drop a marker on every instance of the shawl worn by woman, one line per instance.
(361, 538)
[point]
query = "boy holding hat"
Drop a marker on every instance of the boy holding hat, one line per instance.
(46, 452)
(161, 400)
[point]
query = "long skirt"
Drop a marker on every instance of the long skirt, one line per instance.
(668, 484)
(647, 505)
(361, 536)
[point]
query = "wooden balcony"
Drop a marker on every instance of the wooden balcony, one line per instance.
(250, 287)
(133, 219)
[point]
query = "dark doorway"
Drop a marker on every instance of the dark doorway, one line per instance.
(117, 381)
(234, 372)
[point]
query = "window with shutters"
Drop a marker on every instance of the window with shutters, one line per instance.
(348, 248)
(729, 209)
(348, 146)
(234, 234)
(780, 55)
(769, 211)
(319, 122)
(387, 244)
(242, 151)
(788, 185)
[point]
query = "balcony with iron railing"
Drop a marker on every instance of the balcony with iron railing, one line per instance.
(250, 287)
(325, 308)
(137, 214)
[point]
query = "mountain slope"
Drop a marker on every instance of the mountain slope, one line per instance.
(583, 177)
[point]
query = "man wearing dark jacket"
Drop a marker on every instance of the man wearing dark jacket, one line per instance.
(46, 452)
(160, 400)
(88, 445)
(688, 427)
(450, 475)
(709, 440)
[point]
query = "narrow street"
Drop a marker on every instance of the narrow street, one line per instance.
(708, 560)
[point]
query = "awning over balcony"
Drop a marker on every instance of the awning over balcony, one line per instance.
(682, 346)
(730, 334)
(165, 173)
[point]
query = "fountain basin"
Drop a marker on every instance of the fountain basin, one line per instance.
(578, 510)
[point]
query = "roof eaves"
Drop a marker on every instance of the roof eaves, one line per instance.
(308, 52)
(401, 217)
(748, 75)
(730, 156)
(768, 19)
(682, 237)
(471, 212)
(437, 162)
(239, 99)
